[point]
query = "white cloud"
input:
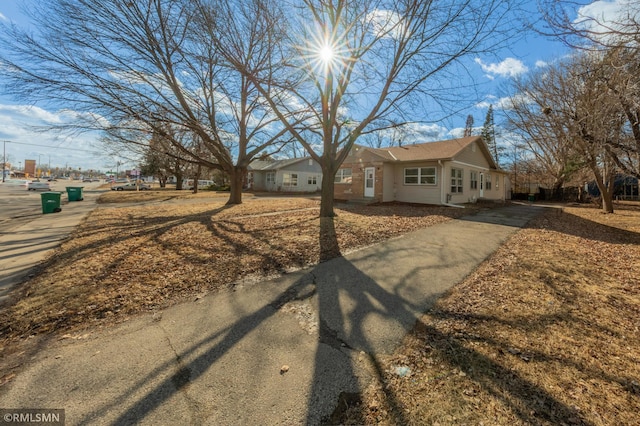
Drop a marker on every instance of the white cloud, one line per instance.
(541, 64)
(21, 128)
(510, 67)
(3, 18)
(385, 23)
(603, 17)
(505, 103)
(30, 113)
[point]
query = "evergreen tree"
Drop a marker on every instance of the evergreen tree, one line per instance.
(469, 126)
(488, 134)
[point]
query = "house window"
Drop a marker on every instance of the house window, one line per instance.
(271, 178)
(290, 179)
(312, 180)
(420, 176)
(474, 180)
(456, 181)
(343, 176)
(487, 182)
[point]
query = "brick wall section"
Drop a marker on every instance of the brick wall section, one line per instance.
(355, 191)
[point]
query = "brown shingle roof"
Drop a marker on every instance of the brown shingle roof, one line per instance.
(441, 150)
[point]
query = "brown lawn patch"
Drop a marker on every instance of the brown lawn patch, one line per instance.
(545, 332)
(127, 259)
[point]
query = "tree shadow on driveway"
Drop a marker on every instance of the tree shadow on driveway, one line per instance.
(354, 316)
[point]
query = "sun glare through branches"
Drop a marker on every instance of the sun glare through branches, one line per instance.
(323, 52)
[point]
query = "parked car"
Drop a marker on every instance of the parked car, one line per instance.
(131, 187)
(37, 185)
(17, 182)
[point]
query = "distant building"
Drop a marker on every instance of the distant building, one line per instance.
(291, 175)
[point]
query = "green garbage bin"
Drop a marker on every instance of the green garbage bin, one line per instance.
(74, 193)
(50, 202)
(532, 198)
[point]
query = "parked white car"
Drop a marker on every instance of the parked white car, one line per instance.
(17, 182)
(38, 185)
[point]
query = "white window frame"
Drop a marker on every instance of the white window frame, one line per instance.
(457, 176)
(473, 176)
(487, 181)
(289, 180)
(312, 180)
(270, 178)
(423, 176)
(343, 176)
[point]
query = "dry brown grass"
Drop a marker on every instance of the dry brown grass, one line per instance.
(142, 256)
(546, 332)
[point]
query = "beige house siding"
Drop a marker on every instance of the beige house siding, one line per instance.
(388, 184)
(466, 154)
(468, 194)
(472, 154)
(303, 169)
(424, 194)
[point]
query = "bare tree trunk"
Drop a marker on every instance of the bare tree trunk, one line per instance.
(329, 248)
(237, 181)
(196, 178)
(179, 181)
(605, 188)
(326, 198)
(607, 196)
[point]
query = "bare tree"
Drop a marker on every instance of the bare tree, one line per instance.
(360, 65)
(375, 139)
(571, 22)
(545, 135)
(619, 76)
(613, 37)
(570, 120)
(143, 65)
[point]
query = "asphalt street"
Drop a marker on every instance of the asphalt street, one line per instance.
(27, 236)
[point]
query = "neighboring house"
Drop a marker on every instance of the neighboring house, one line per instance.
(291, 175)
(445, 172)
(624, 188)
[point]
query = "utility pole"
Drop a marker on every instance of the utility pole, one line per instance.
(4, 158)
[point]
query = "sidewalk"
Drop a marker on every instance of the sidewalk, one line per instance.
(221, 359)
(28, 245)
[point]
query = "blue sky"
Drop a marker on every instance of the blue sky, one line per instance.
(17, 115)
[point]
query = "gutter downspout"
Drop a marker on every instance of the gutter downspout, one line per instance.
(443, 196)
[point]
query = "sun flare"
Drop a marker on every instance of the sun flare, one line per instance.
(326, 54)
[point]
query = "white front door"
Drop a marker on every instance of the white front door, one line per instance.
(369, 181)
(481, 185)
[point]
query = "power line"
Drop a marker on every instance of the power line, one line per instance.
(51, 147)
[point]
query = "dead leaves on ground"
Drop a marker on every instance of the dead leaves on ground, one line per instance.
(128, 259)
(547, 331)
